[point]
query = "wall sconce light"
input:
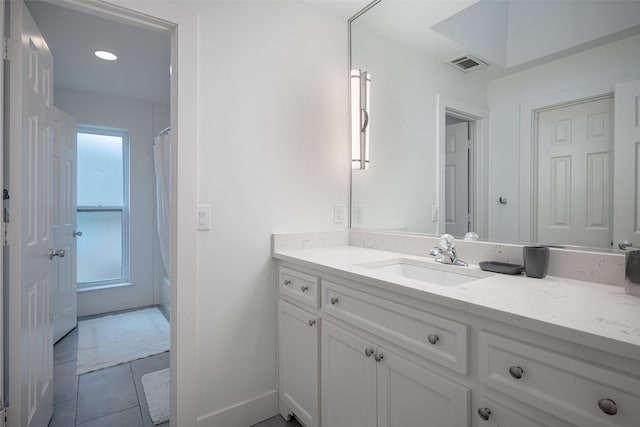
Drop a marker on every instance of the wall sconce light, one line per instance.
(360, 118)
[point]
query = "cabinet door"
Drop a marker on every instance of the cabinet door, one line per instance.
(348, 379)
(412, 396)
(298, 358)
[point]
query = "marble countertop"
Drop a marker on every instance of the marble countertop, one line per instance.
(600, 316)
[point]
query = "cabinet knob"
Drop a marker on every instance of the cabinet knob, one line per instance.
(334, 300)
(484, 413)
(369, 352)
(287, 282)
(304, 288)
(608, 406)
(516, 372)
(379, 357)
(312, 322)
(433, 339)
(76, 233)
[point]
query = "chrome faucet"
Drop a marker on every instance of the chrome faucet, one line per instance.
(446, 252)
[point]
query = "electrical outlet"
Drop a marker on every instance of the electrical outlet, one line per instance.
(434, 213)
(338, 214)
(358, 214)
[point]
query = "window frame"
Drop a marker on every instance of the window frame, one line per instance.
(124, 209)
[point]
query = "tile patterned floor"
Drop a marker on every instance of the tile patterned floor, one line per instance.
(111, 396)
(108, 397)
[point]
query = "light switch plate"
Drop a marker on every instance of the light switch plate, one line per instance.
(338, 214)
(434, 213)
(204, 217)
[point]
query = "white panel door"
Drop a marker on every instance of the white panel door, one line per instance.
(348, 379)
(627, 159)
(64, 297)
(299, 362)
(31, 236)
(456, 179)
(412, 396)
(575, 183)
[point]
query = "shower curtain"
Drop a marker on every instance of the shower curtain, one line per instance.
(162, 160)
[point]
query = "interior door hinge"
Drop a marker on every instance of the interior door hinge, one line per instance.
(5, 233)
(9, 48)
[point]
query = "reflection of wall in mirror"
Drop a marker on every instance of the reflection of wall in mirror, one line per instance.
(604, 65)
(399, 189)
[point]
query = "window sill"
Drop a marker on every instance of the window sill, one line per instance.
(102, 287)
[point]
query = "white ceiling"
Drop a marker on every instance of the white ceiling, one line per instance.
(142, 68)
(510, 34)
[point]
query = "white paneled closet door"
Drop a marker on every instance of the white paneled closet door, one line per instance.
(31, 236)
(64, 296)
(575, 184)
(627, 159)
(456, 178)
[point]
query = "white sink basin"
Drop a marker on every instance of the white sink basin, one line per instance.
(427, 271)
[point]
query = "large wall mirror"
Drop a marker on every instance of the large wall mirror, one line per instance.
(515, 119)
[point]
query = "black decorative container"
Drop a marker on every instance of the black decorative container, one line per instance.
(536, 261)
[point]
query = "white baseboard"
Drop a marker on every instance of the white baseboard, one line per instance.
(244, 414)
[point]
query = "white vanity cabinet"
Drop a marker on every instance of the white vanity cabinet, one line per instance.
(298, 348)
(365, 384)
(353, 353)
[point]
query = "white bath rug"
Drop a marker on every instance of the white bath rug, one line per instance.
(156, 391)
(119, 338)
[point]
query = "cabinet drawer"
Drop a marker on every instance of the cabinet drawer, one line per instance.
(435, 338)
(492, 414)
(563, 386)
(300, 286)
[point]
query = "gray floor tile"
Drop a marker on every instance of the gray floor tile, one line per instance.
(149, 364)
(65, 381)
(127, 418)
(64, 414)
(66, 349)
(142, 367)
(277, 421)
(110, 313)
(105, 392)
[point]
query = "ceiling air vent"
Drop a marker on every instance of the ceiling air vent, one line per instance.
(468, 63)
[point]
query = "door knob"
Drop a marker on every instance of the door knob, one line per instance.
(59, 253)
(76, 233)
(625, 244)
(433, 339)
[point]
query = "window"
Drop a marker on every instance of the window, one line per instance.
(103, 206)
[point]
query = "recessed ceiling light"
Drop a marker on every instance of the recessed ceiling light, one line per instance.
(107, 56)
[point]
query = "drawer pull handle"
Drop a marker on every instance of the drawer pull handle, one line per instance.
(433, 339)
(369, 352)
(379, 357)
(334, 300)
(484, 413)
(516, 372)
(608, 406)
(304, 288)
(287, 282)
(312, 322)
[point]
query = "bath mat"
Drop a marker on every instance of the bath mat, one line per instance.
(120, 338)
(156, 391)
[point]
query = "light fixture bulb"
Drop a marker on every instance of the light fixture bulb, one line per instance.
(107, 56)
